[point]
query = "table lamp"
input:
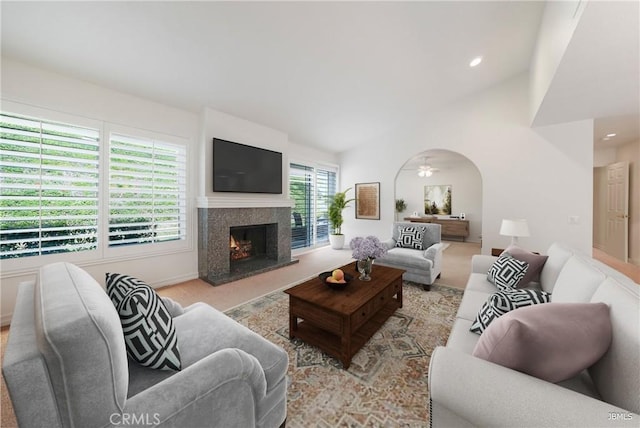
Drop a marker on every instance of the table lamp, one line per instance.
(514, 229)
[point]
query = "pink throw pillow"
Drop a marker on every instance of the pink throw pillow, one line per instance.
(536, 262)
(554, 341)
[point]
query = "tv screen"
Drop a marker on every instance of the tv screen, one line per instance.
(245, 169)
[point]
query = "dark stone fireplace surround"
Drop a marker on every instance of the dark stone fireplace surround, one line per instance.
(214, 225)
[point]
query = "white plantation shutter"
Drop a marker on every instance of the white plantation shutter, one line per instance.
(48, 187)
(147, 191)
(301, 191)
(325, 189)
(310, 188)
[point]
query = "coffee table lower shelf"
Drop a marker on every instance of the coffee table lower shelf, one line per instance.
(334, 345)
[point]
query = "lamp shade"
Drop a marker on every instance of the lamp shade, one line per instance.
(514, 228)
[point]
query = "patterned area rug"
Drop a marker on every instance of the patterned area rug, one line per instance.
(386, 384)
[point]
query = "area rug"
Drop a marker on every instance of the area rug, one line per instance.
(386, 384)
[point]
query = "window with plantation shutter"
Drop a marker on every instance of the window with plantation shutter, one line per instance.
(49, 182)
(310, 188)
(325, 189)
(147, 191)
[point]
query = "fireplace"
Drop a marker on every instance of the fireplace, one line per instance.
(234, 243)
(251, 243)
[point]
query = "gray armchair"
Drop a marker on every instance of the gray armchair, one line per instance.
(65, 364)
(421, 265)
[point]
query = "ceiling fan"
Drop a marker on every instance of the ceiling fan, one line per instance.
(426, 170)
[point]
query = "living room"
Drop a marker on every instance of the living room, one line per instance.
(529, 129)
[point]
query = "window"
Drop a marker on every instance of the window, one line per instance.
(310, 188)
(64, 188)
(147, 191)
(48, 187)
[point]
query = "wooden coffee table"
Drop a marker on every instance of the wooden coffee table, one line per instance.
(340, 322)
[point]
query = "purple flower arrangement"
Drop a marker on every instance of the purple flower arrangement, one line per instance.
(364, 248)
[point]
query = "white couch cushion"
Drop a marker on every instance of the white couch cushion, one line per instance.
(478, 282)
(616, 374)
(461, 338)
(577, 281)
(406, 257)
(558, 256)
(472, 302)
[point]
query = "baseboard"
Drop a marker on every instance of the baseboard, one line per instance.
(175, 280)
(5, 319)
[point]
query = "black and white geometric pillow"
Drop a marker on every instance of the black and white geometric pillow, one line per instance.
(502, 302)
(119, 285)
(149, 334)
(507, 272)
(410, 237)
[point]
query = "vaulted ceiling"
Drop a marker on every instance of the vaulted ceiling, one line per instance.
(330, 74)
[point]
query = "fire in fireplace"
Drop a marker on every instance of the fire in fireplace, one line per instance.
(247, 243)
(239, 249)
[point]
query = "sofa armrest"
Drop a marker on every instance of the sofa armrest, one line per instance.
(174, 308)
(207, 393)
(389, 243)
(481, 263)
(431, 252)
(492, 395)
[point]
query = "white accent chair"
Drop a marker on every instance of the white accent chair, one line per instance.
(421, 266)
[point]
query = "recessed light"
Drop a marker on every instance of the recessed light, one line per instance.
(605, 139)
(474, 62)
(613, 134)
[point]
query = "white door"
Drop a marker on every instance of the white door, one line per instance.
(617, 236)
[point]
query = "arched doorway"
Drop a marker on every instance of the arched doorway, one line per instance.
(440, 169)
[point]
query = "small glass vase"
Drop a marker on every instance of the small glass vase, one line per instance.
(364, 267)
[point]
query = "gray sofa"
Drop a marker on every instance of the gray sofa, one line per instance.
(421, 266)
(65, 364)
(467, 391)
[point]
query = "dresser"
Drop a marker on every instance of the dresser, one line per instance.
(451, 227)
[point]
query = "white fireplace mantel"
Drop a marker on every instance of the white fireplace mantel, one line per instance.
(243, 202)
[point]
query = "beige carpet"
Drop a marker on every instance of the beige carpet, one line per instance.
(456, 268)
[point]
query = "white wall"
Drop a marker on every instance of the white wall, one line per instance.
(466, 185)
(543, 175)
(216, 124)
(604, 157)
(559, 21)
(222, 125)
(31, 86)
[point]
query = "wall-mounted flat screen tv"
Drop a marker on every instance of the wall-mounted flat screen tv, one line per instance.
(245, 169)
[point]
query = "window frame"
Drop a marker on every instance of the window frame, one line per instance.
(155, 247)
(102, 252)
(313, 168)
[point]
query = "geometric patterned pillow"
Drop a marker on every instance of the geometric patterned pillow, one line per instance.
(502, 302)
(149, 333)
(119, 285)
(507, 272)
(410, 237)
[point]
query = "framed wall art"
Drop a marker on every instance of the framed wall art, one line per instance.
(437, 199)
(368, 201)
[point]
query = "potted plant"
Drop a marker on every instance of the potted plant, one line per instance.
(338, 203)
(400, 206)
